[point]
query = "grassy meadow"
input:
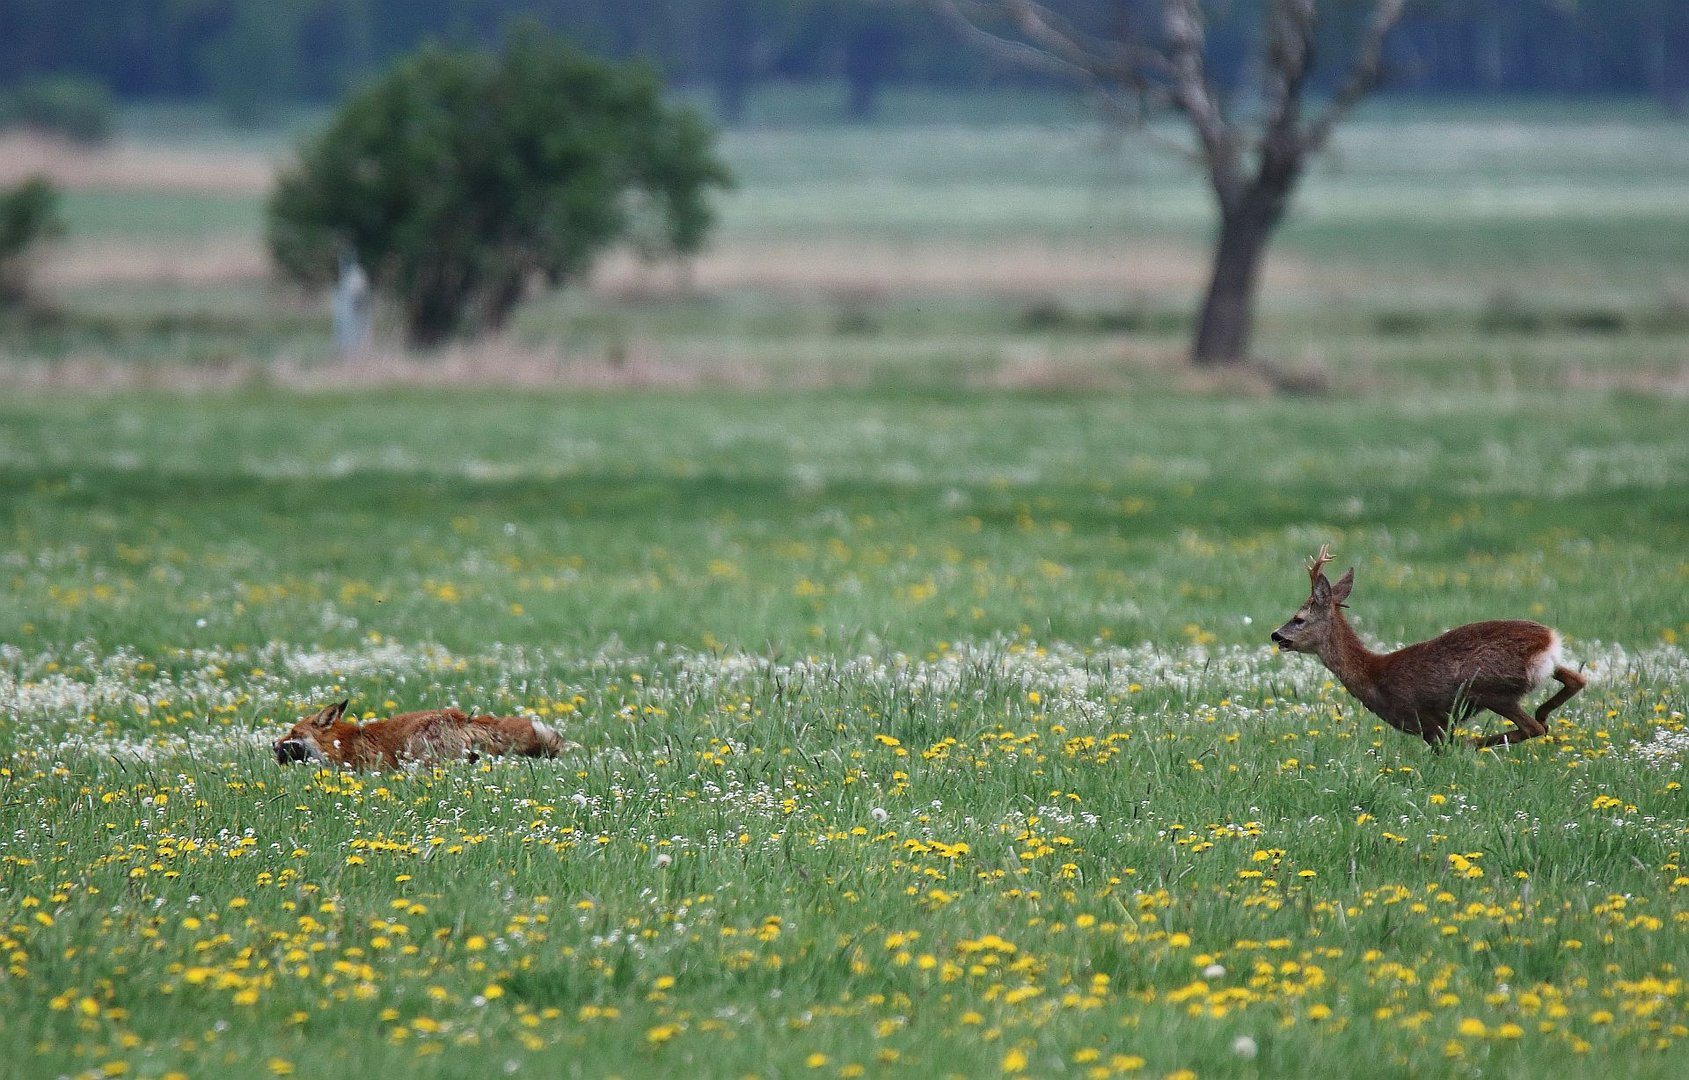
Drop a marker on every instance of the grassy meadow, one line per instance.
(916, 649)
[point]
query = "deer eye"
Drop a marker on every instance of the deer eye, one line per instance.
(1298, 620)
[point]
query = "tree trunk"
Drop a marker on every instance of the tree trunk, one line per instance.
(502, 297)
(433, 314)
(1228, 310)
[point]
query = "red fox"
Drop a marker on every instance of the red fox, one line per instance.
(327, 738)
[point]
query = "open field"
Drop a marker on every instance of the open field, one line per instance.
(919, 734)
(910, 607)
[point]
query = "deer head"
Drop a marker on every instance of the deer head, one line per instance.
(1311, 626)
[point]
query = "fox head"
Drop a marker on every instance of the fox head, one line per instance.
(311, 738)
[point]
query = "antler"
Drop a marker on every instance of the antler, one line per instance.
(1317, 563)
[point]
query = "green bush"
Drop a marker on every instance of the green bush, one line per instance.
(29, 214)
(76, 108)
(462, 178)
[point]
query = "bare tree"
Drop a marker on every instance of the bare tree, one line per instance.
(1253, 158)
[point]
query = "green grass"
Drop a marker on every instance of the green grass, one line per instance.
(1076, 507)
(918, 733)
(160, 215)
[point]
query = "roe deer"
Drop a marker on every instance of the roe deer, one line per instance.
(1423, 688)
(326, 737)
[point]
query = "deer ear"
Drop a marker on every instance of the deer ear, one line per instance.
(330, 714)
(1340, 591)
(1322, 591)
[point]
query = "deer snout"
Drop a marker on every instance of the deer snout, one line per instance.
(1280, 640)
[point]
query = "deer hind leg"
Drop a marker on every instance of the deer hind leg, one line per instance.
(1525, 726)
(1570, 683)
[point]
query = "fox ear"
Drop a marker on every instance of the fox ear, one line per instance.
(330, 714)
(1340, 591)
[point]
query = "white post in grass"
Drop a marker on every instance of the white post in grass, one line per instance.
(351, 308)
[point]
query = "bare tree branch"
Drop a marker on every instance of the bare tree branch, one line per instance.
(1290, 48)
(1254, 163)
(1290, 33)
(1128, 78)
(1138, 120)
(969, 18)
(1193, 96)
(1366, 73)
(1115, 59)
(1053, 43)
(1174, 73)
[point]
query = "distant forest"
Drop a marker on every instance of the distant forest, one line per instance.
(252, 55)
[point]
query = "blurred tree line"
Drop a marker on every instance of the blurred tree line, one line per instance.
(252, 56)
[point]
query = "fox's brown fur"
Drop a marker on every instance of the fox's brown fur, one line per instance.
(326, 737)
(1424, 688)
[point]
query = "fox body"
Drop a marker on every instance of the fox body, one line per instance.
(328, 738)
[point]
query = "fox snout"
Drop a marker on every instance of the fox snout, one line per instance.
(290, 751)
